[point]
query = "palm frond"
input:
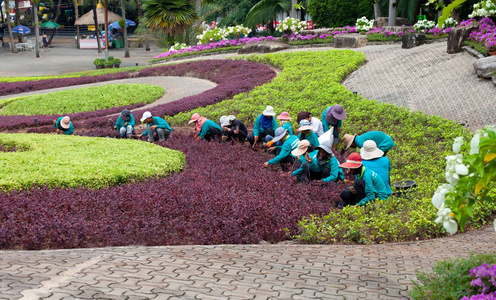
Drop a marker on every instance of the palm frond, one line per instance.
(170, 16)
(266, 10)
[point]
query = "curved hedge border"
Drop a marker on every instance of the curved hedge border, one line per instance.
(72, 161)
(81, 100)
(232, 77)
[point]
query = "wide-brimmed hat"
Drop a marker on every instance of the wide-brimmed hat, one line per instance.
(65, 122)
(302, 148)
(303, 115)
(354, 161)
(146, 115)
(348, 140)
(231, 118)
(269, 111)
(194, 118)
(126, 115)
(370, 150)
(224, 121)
(335, 113)
(305, 125)
(284, 116)
(280, 133)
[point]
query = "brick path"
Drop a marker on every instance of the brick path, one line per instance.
(424, 79)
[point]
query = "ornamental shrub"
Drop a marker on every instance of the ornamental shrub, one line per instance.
(451, 279)
(292, 25)
(424, 25)
(485, 8)
(363, 25)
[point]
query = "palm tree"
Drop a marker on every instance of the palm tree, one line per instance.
(36, 27)
(409, 9)
(265, 11)
(169, 16)
(392, 13)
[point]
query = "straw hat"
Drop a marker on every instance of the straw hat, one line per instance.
(65, 122)
(370, 150)
(348, 140)
(224, 121)
(354, 161)
(194, 118)
(269, 112)
(302, 148)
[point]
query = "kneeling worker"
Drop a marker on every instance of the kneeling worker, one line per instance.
(320, 164)
(367, 186)
(155, 125)
(290, 143)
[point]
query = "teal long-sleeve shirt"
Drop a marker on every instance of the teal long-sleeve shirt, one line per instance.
(383, 141)
(161, 123)
(257, 126)
(205, 126)
(312, 138)
(120, 122)
(336, 172)
(374, 186)
(65, 131)
(326, 124)
(289, 145)
(382, 166)
(288, 127)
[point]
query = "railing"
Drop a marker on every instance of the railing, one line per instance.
(62, 32)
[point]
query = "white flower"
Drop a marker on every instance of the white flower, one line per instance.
(445, 216)
(457, 144)
(474, 144)
(440, 195)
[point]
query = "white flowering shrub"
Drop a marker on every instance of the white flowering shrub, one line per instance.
(363, 25)
(291, 24)
(468, 179)
(450, 23)
(483, 9)
(178, 46)
(218, 34)
(423, 25)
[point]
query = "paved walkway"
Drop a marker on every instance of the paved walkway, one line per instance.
(265, 271)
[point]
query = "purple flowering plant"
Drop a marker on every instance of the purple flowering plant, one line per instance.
(485, 34)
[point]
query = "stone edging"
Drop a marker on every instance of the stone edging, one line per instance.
(477, 55)
(189, 56)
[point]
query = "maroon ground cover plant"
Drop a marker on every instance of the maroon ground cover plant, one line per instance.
(223, 195)
(232, 77)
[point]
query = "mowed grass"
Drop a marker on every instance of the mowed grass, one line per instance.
(85, 99)
(72, 161)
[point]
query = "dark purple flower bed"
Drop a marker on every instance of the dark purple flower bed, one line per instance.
(224, 195)
(232, 77)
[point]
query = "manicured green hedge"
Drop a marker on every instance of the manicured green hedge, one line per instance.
(311, 81)
(81, 99)
(71, 161)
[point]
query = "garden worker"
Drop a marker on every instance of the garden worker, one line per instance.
(125, 124)
(367, 186)
(316, 124)
(333, 116)
(321, 164)
(155, 125)
(63, 125)
(383, 141)
(306, 133)
(374, 160)
(238, 131)
(284, 119)
(205, 128)
(264, 125)
(224, 125)
(290, 143)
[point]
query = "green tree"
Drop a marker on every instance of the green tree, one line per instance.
(337, 13)
(169, 16)
(266, 11)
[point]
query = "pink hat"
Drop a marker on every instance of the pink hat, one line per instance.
(354, 161)
(65, 122)
(284, 116)
(194, 118)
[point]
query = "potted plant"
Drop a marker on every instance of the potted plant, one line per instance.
(99, 63)
(109, 64)
(117, 63)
